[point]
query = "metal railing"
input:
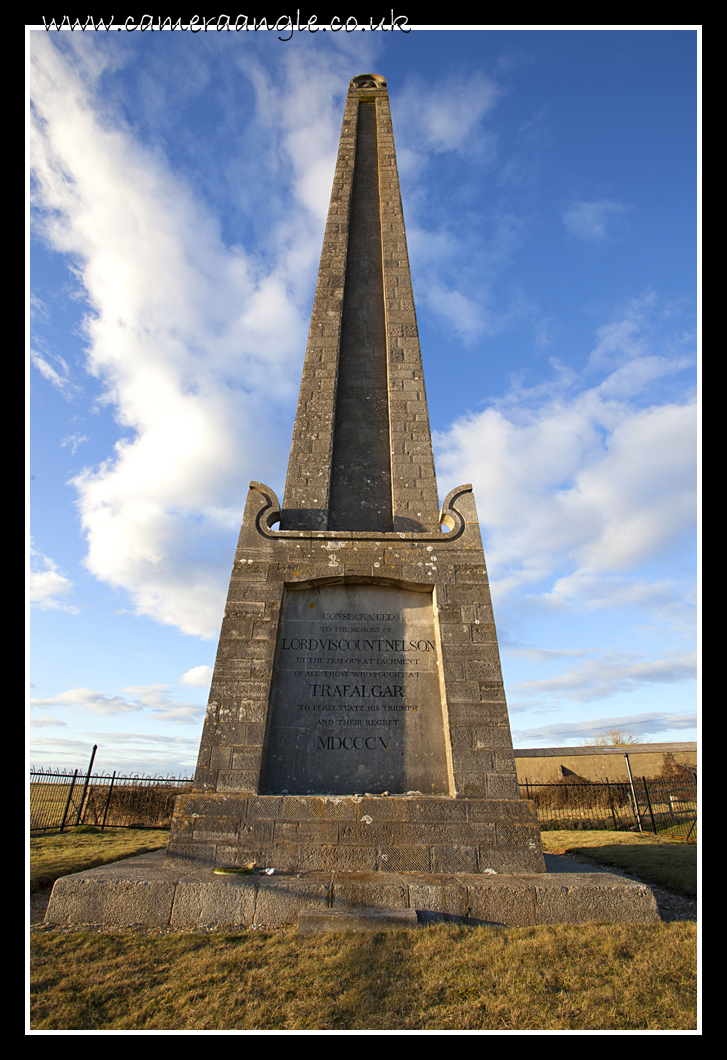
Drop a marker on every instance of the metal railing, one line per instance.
(60, 800)
(657, 806)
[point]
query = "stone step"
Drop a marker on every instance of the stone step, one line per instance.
(146, 890)
(321, 921)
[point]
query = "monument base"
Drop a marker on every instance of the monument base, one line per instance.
(146, 890)
(355, 833)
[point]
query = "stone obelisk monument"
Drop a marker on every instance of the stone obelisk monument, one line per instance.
(357, 718)
(356, 743)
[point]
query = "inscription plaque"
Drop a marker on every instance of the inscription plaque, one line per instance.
(355, 701)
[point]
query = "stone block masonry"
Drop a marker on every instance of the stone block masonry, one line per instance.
(356, 740)
(358, 656)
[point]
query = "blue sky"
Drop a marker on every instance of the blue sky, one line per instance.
(179, 190)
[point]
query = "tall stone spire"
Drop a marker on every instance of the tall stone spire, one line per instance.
(357, 717)
(356, 744)
(362, 451)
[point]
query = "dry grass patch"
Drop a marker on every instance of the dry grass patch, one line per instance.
(561, 977)
(54, 856)
(664, 861)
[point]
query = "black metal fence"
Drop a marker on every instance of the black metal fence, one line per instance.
(657, 806)
(60, 800)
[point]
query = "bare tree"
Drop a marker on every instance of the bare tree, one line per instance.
(616, 738)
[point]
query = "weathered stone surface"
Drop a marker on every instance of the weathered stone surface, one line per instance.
(147, 890)
(322, 921)
(357, 736)
(356, 697)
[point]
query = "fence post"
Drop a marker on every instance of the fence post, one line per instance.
(633, 794)
(68, 800)
(85, 786)
(108, 800)
(610, 803)
(648, 803)
(671, 808)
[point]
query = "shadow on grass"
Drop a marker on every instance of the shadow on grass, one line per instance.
(54, 856)
(673, 866)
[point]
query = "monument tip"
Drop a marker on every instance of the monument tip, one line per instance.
(368, 81)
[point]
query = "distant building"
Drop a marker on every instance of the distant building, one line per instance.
(538, 764)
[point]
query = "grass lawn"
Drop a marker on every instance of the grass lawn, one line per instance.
(443, 977)
(667, 862)
(559, 977)
(53, 856)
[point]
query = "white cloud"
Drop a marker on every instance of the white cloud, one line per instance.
(593, 221)
(625, 339)
(609, 674)
(455, 280)
(446, 116)
(302, 128)
(472, 318)
(578, 732)
(644, 488)
(456, 269)
(198, 676)
(128, 753)
(580, 486)
(152, 698)
(59, 379)
(465, 316)
(545, 655)
(195, 344)
(73, 440)
(89, 700)
(48, 587)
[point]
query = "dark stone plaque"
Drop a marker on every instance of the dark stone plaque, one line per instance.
(355, 702)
